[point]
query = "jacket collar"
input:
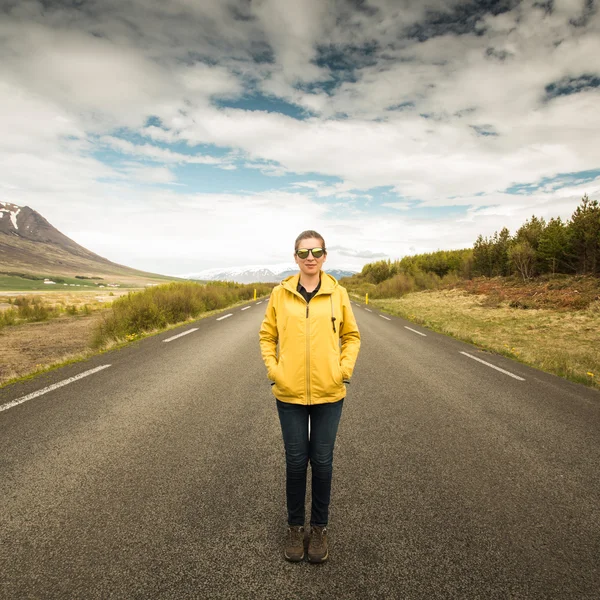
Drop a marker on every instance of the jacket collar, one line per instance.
(328, 283)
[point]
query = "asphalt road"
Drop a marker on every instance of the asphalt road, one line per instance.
(163, 475)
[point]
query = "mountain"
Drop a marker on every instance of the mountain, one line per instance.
(259, 274)
(29, 244)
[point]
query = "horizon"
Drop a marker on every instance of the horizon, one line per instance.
(177, 138)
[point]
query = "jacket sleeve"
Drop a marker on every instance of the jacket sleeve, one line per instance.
(349, 336)
(268, 337)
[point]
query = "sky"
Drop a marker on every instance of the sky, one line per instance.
(175, 136)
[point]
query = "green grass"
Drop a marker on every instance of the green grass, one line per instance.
(14, 283)
(32, 309)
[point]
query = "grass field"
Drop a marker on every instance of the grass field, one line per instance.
(83, 322)
(13, 283)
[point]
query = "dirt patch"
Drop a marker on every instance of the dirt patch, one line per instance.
(559, 292)
(30, 346)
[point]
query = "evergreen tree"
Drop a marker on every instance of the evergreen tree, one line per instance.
(584, 236)
(500, 259)
(482, 258)
(553, 250)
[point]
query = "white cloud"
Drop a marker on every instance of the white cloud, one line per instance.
(158, 154)
(74, 81)
(397, 205)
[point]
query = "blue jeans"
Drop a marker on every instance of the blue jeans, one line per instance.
(299, 449)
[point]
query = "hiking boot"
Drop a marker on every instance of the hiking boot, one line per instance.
(294, 543)
(317, 544)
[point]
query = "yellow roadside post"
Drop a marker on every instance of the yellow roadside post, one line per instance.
(366, 298)
(255, 293)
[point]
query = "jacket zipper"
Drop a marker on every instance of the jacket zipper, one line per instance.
(307, 356)
(308, 343)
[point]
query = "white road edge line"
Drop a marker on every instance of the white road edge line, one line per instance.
(224, 317)
(415, 331)
(246, 307)
(51, 387)
(180, 334)
(494, 366)
(385, 317)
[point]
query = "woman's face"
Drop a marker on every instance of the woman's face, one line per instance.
(310, 265)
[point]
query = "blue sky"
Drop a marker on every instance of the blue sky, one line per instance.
(177, 137)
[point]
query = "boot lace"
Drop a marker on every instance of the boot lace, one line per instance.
(296, 534)
(317, 536)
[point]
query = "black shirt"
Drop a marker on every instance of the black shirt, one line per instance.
(307, 295)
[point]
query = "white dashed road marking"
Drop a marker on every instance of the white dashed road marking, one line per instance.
(385, 317)
(52, 387)
(180, 334)
(259, 302)
(415, 331)
(368, 309)
(494, 366)
(246, 307)
(225, 316)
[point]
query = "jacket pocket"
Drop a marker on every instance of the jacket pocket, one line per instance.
(274, 373)
(336, 373)
(279, 376)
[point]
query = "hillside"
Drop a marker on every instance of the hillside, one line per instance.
(30, 245)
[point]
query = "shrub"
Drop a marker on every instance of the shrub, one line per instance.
(159, 306)
(395, 287)
(8, 317)
(33, 309)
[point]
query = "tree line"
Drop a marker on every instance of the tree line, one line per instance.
(540, 247)
(537, 247)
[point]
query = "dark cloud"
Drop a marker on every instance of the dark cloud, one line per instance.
(342, 61)
(262, 52)
(328, 87)
(242, 11)
(363, 6)
(589, 10)
(346, 57)
(547, 5)
(500, 55)
(402, 106)
(465, 111)
(571, 85)
(461, 19)
(484, 130)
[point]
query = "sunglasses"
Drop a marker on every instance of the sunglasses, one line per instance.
(316, 252)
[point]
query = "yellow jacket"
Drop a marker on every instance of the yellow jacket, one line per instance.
(310, 369)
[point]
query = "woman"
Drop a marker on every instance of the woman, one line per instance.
(308, 315)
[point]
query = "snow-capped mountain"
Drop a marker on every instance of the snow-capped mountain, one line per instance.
(258, 273)
(26, 224)
(30, 244)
